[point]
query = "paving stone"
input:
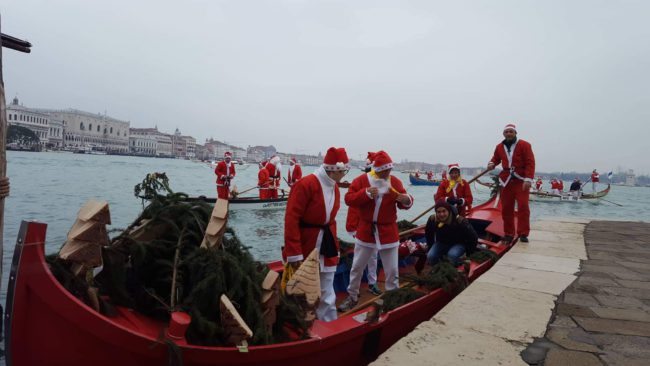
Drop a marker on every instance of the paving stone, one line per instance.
(495, 308)
(634, 284)
(527, 279)
(635, 266)
(541, 262)
(624, 327)
(435, 343)
(574, 310)
(613, 301)
(615, 359)
(629, 346)
(621, 314)
(596, 280)
(561, 337)
(555, 249)
(579, 299)
(636, 293)
(562, 321)
(558, 357)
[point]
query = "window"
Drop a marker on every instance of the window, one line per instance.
(81, 126)
(90, 127)
(97, 128)
(111, 129)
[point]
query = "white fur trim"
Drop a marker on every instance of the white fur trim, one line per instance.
(295, 258)
(336, 167)
(383, 167)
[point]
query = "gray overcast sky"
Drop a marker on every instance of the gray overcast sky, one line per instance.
(424, 80)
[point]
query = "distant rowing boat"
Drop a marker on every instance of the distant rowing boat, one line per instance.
(543, 196)
(422, 182)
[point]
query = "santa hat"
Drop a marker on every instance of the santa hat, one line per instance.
(336, 159)
(510, 126)
(453, 166)
(227, 154)
(293, 160)
(263, 163)
(382, 162)
(370, 158)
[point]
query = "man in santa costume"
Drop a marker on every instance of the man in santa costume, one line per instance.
(518, 162)
(274, 166)
(225, 172)
(310, 222)
(377, 195)
(555, 186)
(455, 191)
(295, 172)
(263, 181)
(351, 224)
(595, 178)
(429, 175)
(538, 184)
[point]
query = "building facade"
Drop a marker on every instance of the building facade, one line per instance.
(55, 135)
(34, 119)
(88, 129)
(183, 146)
(142, 141)
(149, 142)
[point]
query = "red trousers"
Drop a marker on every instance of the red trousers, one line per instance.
(509, 194)
(223, 192)
(265, 193)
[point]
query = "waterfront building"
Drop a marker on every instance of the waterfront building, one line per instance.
(89, 129)
(55, 133)
(34, 119)
(149, 142)
(216, 149)
(183, 146)
(142, 141)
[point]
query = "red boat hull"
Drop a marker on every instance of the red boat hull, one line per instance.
(46, 325)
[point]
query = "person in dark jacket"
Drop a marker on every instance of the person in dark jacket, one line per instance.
(449, 234)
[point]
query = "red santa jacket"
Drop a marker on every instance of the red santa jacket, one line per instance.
(294, 174)
(519, 163)
(595, 177)
(263, 178)
(274, 175)
(385, 217)
(222, 171)
(306, 204)
(538, 184)
(560, 185)
(459, 191)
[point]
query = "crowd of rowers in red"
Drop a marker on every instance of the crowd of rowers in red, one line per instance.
(373, 199)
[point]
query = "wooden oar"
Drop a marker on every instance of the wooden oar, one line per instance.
(432, 207)
(614, 203)
(247, 190)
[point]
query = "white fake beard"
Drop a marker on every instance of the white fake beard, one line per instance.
(382, 185)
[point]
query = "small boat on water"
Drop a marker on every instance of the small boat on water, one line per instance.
(90, 149)
(248, 203)
(47, 325)
(543, 196)
(422, 182)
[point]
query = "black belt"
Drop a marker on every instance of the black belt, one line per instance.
(328, 245)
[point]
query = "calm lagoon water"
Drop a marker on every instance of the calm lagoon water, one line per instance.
(51, 187)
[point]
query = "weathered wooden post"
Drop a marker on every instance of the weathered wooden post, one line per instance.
(22, 46)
